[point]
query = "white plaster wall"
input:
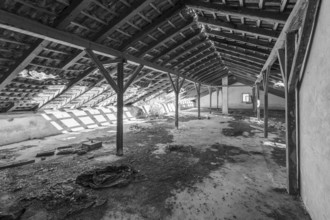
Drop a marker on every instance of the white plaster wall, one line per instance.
(235, 99)
(314, 126)
(16, 128)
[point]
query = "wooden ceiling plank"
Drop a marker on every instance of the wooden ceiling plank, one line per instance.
(22, 25)
(241, 39)
(241, 28)
(254, 14)
(165, 38)
(118, 22)
(150, 27)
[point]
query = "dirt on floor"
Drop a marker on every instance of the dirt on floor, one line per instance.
(218, 167)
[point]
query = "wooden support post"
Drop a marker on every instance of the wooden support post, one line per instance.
(290, 118)
(225, 95)
(210, 92)
(218, 89)
(120, 108)
(176, 88)
(254, 99)
(266, 77)
(198, 90)
(258, 101)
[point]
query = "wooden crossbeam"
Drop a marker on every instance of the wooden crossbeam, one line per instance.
(133, 76)
(170, 34)
(150, 27)
(117, 23)
(241, 39)
(240, 28)
(103, 71)
(254, 14)
(22, 25)
(242, 64)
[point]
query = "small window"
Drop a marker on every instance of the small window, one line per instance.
(246, 98)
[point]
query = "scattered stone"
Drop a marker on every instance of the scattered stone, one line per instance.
(43, 158)
(45, 153)
(91, 145)
(2, 157)
(90, 156)
(246, 134)
(41, 215)
(16, 164)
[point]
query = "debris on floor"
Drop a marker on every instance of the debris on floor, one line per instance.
(110, 176)
(16, 164)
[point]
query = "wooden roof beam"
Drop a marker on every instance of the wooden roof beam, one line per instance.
(187, 68)
(136, 7)
(253, 14)
(150, 27)
(166, 37)
(236, 52)
(241, 39)
(184, 52)
(192, 55)
(240, 28)
(239, 46)
(179, 45)
(26, 26)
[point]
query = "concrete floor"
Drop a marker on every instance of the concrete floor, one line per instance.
(225, 170)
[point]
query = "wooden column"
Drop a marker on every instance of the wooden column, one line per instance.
(265, 84)
(210, 93)
(198, 90)
(258, 100)
(120, 108)
(218, 90)
(254, 106)
(290, 118)
(176, 88)
(120, 89)
(225, 95)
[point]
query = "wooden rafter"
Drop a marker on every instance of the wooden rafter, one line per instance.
(136, 7)
(185, 51)
(192, 55)
(240, 28)
(241, 39)
(271, 17)
(177, 46)
(170, 34)
(155, 23)
(29, 27)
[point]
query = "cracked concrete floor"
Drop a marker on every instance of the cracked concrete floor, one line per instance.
(224, 170)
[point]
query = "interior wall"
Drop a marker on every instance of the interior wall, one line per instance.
(235, 99)
(314, 98)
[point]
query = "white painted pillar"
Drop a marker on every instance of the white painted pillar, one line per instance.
(225, 95)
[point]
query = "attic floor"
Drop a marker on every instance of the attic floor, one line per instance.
(217, 168)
